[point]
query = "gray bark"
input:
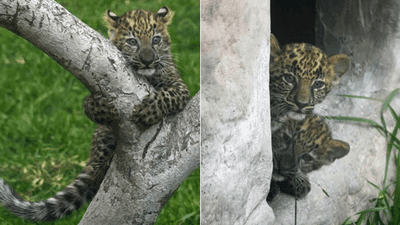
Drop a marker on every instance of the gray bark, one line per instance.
(236, 159)
(147, 167)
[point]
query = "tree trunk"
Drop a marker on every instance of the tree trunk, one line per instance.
(148, 167)
(236, 159)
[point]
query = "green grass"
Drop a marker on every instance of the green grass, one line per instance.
(45, 136)
(386, 210)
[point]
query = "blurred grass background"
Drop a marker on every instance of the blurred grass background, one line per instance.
(45, 136)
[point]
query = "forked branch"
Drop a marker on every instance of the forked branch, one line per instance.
(148, 167)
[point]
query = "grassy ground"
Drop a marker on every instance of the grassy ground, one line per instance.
(44, 134)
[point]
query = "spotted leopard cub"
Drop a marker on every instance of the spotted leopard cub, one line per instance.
(301, 75)
(312, 142)
(143, 39)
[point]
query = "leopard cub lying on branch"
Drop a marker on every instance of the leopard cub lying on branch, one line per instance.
(143, 39)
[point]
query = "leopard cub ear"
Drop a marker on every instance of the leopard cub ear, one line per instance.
(340, 64)
(275, 47)
(165, 15)
(336, 150)
(112, 21)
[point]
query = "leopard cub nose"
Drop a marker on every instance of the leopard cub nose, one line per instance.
(301, 105)
(146, 57)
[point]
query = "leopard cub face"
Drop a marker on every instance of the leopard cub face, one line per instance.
(301, 75)
(299, 147)
(143, 38)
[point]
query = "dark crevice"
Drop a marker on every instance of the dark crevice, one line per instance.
(293, 21)
(152, 139)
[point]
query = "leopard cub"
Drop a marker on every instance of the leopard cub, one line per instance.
(301, 76)
(143, 39)
(299, 147)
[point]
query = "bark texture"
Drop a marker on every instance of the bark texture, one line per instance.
(367, 31)
(147, 167)
(236, 160)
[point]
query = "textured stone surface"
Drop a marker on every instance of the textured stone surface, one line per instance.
(366, 31)
(235, 165)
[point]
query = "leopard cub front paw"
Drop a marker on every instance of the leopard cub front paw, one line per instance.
(274, 190)
(149, 112)
(100, 109)
(298, 187)
(144, 117)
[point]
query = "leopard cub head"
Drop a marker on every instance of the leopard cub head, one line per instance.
(142, 37)
(311, 141)
(299, 147)
(301, 75)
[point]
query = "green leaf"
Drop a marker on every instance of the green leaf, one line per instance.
(361, 218)
(396, 201)
(362, 97)
(348, 222)
(376, 209)
(376, 186)
(389, 99)
(326, 193)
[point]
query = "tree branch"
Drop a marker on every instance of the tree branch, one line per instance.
(139, 181)
(147, 167)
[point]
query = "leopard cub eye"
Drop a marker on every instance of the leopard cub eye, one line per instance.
(289, 78)
(306, 157)
(156, 40)
(319, 84)
(131, 41)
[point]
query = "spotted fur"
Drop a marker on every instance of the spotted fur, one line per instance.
(143, 39)
(301, 75)
(81, 190)
(311, 142)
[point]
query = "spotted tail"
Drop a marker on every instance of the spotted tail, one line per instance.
(81, 190)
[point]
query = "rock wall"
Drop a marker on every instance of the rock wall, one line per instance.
(367, 31)
(235, 165)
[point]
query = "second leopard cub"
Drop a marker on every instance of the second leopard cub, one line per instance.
(311, 141)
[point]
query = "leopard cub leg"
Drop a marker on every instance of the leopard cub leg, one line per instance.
(298, 187)
(100, 109)
(157, 105)
(274, 190)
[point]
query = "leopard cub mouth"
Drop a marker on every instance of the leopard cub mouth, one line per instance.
(146, 72)
(296, 115)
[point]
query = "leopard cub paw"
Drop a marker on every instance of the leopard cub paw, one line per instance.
(100, 109)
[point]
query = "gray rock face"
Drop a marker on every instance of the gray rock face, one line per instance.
(367, 32)
(236, 158)
(235, 165)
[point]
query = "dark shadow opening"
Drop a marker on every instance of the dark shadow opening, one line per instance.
(293, 21)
